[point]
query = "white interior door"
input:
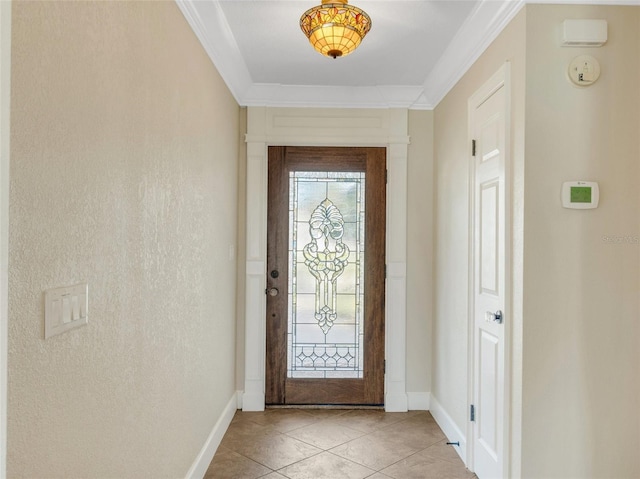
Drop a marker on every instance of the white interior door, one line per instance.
(489, 305)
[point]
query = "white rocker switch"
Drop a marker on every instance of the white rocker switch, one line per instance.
(65, 308)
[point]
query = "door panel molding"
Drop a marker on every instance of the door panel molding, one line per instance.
(316, 127)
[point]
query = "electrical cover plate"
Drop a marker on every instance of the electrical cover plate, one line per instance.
(65, 308)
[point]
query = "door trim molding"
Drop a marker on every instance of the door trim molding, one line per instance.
(326, 127)
(5, 97)
(500, 79)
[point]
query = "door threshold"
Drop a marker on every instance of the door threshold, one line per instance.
(324, 406)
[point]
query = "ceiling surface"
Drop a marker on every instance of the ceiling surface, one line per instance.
(414, 54)
(406, 40)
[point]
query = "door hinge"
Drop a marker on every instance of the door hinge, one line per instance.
(386, 176)
(385, 271)
(384, 366)
(473, 147)
(472, 413)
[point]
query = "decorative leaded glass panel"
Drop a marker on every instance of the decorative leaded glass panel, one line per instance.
(326, 275)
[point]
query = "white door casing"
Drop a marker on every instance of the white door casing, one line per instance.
(489, 278)
(326, 127)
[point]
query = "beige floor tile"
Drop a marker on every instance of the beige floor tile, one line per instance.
(420, 417)
(441, 450)
(397, 445)
(230, 465)
(375, 450)
(326, 466)
(371, 420)
(420, 466)
(284, 420)
(275, 450)
(326, 413)
(242, 431)
(326, 434)
(241, 415)
(419, 432)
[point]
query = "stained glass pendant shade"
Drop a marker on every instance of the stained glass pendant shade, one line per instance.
(335, 28)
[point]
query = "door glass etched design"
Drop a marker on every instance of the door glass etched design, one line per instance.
(326, 275)
(326, 256)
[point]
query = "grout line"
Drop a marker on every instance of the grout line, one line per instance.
(296, 462)
(343, 418)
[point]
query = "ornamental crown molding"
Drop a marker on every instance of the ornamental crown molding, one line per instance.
(481, 27)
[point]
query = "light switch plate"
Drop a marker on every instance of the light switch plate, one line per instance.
(65, 308)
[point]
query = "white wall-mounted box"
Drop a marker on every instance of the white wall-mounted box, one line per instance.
(584, 33)
(65, 308)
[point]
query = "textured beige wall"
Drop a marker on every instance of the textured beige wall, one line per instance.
(450, 329)
(581, 375)
(124, 148)
(420, 234)
(576, 280)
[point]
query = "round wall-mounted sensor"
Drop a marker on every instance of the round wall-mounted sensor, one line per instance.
(584, 70)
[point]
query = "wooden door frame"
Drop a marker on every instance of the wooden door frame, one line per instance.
(368, 389)
(500, 79)
(325, 127)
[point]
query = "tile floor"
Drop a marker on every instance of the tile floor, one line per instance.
(335, 444)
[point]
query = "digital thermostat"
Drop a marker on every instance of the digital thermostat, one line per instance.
(580, 195)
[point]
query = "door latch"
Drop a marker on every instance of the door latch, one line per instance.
(493, 317)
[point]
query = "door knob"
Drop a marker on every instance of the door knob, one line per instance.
(272, 291)
(493, 317)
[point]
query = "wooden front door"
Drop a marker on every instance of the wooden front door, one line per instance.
(325, 275)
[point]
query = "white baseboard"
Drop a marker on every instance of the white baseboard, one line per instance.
(201, 464)
(449, 427)
(418, 401)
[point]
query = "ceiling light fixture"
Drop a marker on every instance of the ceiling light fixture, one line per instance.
(335, 28)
